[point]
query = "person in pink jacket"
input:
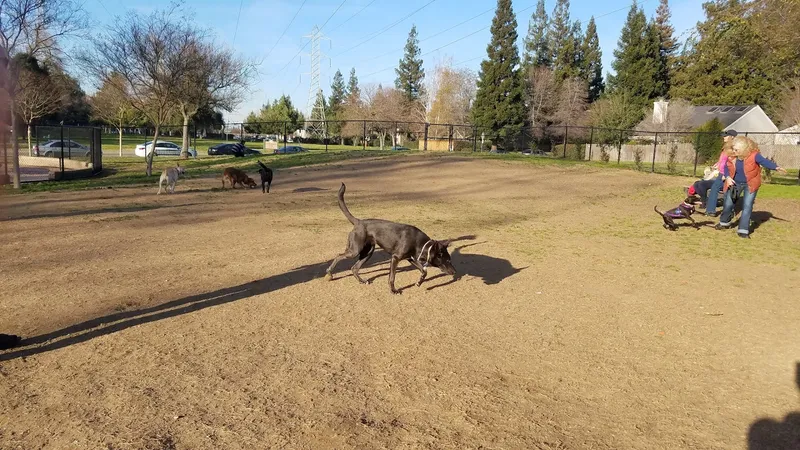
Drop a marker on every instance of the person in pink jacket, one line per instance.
(721, 165)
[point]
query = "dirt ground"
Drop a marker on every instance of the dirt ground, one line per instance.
(201, 320)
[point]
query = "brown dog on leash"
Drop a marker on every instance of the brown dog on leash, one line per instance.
(401, 241)
(234, 176)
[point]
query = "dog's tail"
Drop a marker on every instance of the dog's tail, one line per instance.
(343, 207)
(655, 208)
(262, 165)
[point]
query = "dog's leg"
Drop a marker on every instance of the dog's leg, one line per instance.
(268, 184)
(263, 187)
(694, 224)
(421, 269)
(366, 254)
(351, 252)
(160, 182)
(392, 270)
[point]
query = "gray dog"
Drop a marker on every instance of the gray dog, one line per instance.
(170, 175)
(399, 240)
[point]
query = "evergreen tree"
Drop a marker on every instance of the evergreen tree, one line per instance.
(665, 30)
(537, 50)
(592, 62)
(561, 42)
(410, 74)
(352, 85)
(338, 92)
(637, 59)
(728, 63)
(653, 45)
(499, 103)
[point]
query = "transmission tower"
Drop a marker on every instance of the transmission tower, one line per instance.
(315, 118)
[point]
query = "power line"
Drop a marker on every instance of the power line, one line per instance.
(434, 35)
(104, 6)
(349, 18)
(334, 13)
(386, 28)
(238, 16)
(286, 29)
(482, 29)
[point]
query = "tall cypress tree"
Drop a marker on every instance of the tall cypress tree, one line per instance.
(410, 73)
(338, 92)
(592, 62)
(537, 50)
(667, 43)
(637, 59)
(564, 42)
(352, 85)
(499, 103)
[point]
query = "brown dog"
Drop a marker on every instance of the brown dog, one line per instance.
(234, 175)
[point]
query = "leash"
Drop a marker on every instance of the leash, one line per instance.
(428, 257)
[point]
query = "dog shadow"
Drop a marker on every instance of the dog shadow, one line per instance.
(771, 434)
(759, 218)
(308, 189)
(489, 269)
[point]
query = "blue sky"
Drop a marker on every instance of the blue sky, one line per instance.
(368, 41)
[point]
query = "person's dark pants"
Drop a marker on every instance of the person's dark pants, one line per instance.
(702, 187)
(713, 195)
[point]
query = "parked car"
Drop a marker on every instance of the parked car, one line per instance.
(54, 148)
(398, 148)
(289, 149)
(163, 148)
(234, 149)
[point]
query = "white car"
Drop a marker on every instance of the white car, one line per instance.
(163, 148)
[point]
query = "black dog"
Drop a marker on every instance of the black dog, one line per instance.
(9, 341)
(266, 176)
(682, 211)
(399, 240)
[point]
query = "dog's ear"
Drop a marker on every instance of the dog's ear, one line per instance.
(444, 244)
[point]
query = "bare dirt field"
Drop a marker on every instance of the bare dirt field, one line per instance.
(201, 320)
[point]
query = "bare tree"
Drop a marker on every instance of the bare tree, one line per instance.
(214, 78)
(112, 105)
(152, 54)
(789, 109)
(37, 94)
(453, 94)
(33, 27)
(572, 101)
(542, 95)
(384, 107)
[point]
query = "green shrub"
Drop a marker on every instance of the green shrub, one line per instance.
(708, 141)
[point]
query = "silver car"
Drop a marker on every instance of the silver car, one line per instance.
(54, 148)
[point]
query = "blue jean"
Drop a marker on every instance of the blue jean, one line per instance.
(713, 195)
(747, 208)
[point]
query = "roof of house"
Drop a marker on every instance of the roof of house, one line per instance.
(792, 129)
(727, 114)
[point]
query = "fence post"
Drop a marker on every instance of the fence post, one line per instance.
(696, 151)
(450, 139)
(425, 147)
(591, 140)
(365, 135)
(566, 137)
(326, 137)
(619, 147)
(61, 158)
(655, 143)
(474, 139)
(284, 134)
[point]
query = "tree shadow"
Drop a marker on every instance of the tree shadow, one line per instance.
(115, 322)
(84, 212)
(770, 434)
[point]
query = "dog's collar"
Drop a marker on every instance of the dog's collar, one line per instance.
(428, 256)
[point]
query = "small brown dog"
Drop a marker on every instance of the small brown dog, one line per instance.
(234, 176)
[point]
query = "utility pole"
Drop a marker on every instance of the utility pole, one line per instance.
(315, 123)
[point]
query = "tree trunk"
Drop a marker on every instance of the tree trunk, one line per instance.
(120, 140)
(382, 136)
(149, 157)
(30, 149)
(185, 146)
(15, 140)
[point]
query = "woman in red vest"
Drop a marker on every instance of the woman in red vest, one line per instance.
(743, 177)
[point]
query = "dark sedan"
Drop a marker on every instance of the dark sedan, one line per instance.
(232, 149)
